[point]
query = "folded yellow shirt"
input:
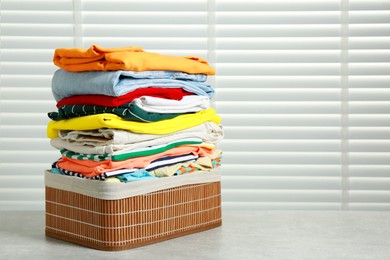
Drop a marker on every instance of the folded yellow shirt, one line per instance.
(113, 121)
(127, 58)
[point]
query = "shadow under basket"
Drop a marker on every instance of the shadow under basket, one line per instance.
(118, 216)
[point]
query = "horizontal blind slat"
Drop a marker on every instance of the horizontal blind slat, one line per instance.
(32, 42)
(35, 106)
(291, 170)
(369, 158)
(22, 194)
(261, 145)
(360, 120)
(42, 17)
(130, 17)
(281, 120)
(139, 5)
(15, 94)
(282, 157)
(169, 43)
(16, 119)
(280, 81)
(23, 205)
(284, 30)
(270, 94)
(278, 17)
(369, 5)
(371, 171)
(371, 185)
(188, 30)
(23, 131)
(52, 30)
(252, 132)
(277, 5)
(29, 156)
(285, 43)
(289, 69)
(364, 196)
(272, 183)
(369, 206)
(27, 144)
(29, 182)
(282, 107)
(277, 56)
(37, 5)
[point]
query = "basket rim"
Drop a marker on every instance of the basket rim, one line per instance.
(113, 191)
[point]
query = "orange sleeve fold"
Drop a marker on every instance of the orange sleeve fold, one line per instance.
(97, 58)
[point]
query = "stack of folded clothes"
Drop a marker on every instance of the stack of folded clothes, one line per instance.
(125, 115)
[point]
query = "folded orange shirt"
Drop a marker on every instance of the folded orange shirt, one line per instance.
(127, 58)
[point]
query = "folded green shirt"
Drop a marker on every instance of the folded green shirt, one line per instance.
(128, 111)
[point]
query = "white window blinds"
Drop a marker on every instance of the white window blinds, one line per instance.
(302, 88)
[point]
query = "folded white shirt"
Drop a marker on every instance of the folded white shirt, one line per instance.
(191, 103)
(209, 131)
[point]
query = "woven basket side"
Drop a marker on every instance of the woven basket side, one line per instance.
(134, 221)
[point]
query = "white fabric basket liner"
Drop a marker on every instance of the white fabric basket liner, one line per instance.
(114, 190)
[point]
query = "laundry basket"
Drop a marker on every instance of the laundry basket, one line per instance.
(117, 216)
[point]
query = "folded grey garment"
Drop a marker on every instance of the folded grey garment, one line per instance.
(116, 149)
(105, 141)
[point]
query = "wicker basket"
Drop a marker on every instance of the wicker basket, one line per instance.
(118, 216)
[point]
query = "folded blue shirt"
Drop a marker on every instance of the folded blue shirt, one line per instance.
(140, 174)
(118, 83)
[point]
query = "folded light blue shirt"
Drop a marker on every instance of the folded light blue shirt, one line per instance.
(138, 175)
(118, 83)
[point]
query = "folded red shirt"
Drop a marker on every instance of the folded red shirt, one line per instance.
(109, 101)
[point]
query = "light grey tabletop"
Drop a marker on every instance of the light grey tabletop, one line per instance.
(243, 235)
